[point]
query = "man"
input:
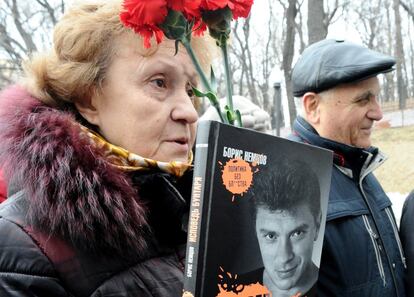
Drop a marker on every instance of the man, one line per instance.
(287, 211)
(338, 86)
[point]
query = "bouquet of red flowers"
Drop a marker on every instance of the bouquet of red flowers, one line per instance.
(178, 20)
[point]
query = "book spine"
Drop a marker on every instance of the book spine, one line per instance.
(195, 243)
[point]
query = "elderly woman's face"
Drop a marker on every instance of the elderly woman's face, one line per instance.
(146, 103)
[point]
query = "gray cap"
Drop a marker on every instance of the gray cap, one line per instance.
(330, 62)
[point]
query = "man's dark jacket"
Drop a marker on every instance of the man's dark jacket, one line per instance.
(362, 254)
(407, 238)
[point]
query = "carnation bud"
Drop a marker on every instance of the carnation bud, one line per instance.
(218, 23)
(175, 25)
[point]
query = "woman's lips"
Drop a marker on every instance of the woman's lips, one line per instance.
(180, 144)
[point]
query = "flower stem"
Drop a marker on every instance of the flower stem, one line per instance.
(204, 80)
(229, 85)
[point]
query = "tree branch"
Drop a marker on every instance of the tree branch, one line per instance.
(27, 38)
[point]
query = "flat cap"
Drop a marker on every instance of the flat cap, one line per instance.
(330, 62)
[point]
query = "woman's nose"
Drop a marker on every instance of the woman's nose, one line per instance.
(184, 109)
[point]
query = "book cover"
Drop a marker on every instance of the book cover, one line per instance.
(257, 214)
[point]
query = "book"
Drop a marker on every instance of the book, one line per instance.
(257, 214)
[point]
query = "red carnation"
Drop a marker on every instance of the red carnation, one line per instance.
(240, 8)
(213, 4)
(144, 16)
(199, 27)
(190, 8)
(147, 31)
(142, 12)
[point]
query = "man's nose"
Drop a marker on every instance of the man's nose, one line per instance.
(284, 251)
(375, 112)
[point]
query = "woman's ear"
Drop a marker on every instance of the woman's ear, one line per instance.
(88, 108)
(311, 106)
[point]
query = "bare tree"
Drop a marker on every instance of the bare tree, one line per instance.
(409, 9)
(320, 18)
(288, 53)
(317, 26)
(370, 16)
(300, 29)
(411, 59)
(25, 27)
(253, 64)
(269, 59)
(246, 59)
(399, 54)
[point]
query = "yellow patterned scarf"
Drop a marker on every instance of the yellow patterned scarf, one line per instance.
(127, 161)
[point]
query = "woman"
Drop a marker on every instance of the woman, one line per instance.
(89, 215)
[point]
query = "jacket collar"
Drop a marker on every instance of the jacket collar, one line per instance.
(352, 161)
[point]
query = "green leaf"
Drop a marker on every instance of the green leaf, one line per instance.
(229, 116)
(198, 93)
(210, 95)
(239, 119)
(176, 43)
(213, 80)
(213, 98)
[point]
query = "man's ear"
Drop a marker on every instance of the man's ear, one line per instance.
(87, 107)
(311, 102)
(318, 226)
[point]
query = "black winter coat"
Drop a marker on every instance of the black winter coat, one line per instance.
(75, 225)
(407, 238)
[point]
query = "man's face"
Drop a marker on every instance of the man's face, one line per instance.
(348, 111)
(286, 244)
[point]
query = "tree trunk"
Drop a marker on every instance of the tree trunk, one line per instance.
(408, 9)
(399, 54)
(389, 78)
(288, 52)
(412, 65)
(317, 29)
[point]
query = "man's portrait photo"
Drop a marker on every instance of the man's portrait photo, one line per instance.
(287, 212)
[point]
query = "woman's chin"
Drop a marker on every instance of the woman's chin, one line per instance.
(176, 157)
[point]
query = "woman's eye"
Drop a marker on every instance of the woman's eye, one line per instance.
(190, 93)
(159, 82)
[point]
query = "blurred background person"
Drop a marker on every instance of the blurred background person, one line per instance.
(253, 117)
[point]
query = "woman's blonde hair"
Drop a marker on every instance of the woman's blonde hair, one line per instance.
(84, 43)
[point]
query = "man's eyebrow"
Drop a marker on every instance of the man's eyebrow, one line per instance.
(303, 226)
(264, 230)
(364, 95)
